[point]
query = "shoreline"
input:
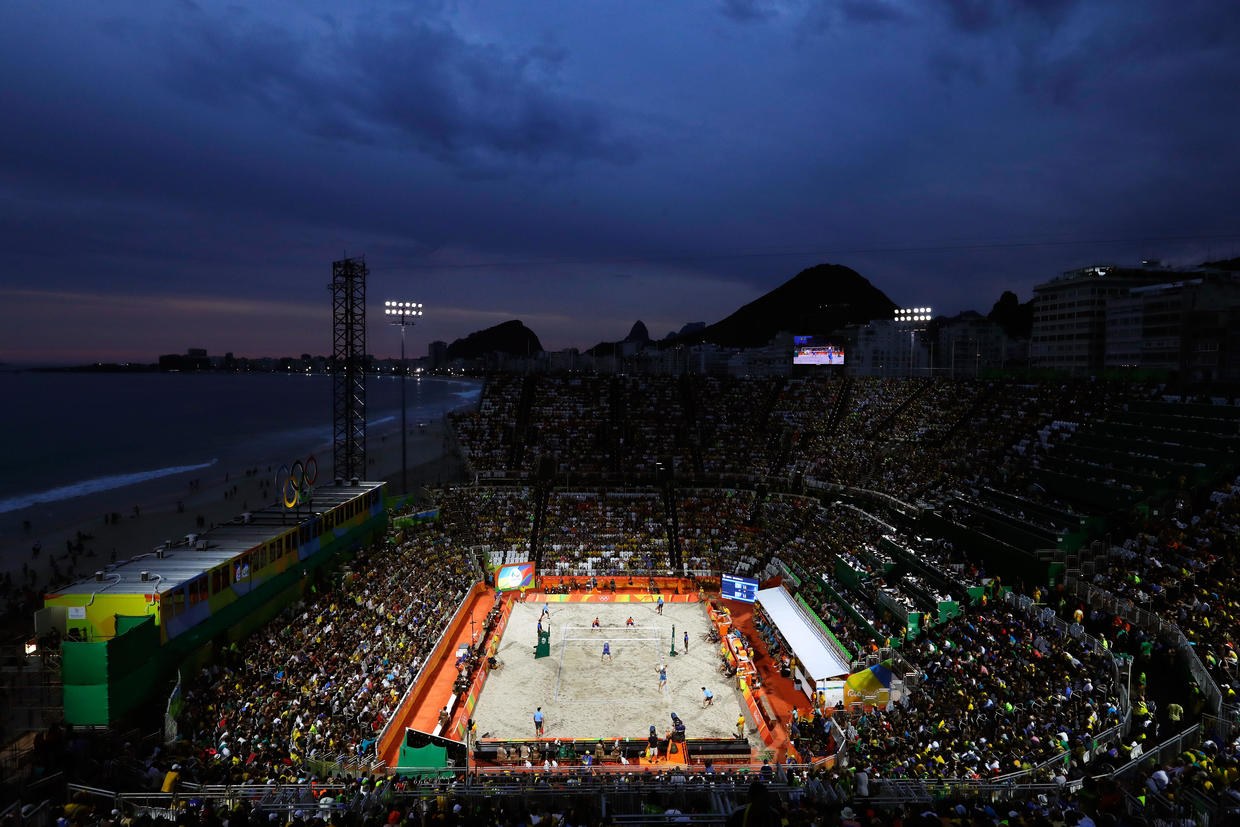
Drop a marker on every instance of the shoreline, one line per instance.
(153, 511)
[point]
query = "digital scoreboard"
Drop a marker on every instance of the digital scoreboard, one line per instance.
(738, 588)
(816, 350)
(514, 576)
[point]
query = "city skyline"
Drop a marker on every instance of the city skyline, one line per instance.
(184, 175)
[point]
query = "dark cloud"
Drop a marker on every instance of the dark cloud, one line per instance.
(405, 84)
(825, 15)
(747, 11)
(949, 68)
(1171, 59)
(870, 11)
(539, 161)
(972, 16)
(980, 16)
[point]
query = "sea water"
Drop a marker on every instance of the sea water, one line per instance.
(67, 434)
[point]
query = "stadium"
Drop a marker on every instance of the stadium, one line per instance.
(910, 600)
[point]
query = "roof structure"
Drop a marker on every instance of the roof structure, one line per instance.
(178, 561)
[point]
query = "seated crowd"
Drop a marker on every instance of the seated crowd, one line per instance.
(993, 691)
(321, 680)
(600, 534)
(997, 693)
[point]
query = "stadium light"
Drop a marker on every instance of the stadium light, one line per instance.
(913, 316)
(404, 315)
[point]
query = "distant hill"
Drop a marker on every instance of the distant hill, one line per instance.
(1232, 264)
(637, 333)
(508, 337)
(1015, 318)
(818, 300)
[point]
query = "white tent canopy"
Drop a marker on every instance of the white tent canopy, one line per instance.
(817, 659)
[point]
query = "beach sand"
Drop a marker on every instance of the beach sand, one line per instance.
(582, 696)
(167, 509)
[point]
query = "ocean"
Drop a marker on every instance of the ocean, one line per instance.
(68, 435)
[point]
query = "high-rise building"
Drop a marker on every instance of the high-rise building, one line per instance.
(1177, 326)
(437, 354)
(1069, 315)
(886, 347)
(968, 345)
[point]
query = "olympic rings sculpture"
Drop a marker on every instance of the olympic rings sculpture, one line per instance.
(296, 483)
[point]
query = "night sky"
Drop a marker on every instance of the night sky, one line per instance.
(181, 174)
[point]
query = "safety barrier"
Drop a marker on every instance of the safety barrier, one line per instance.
(1143, 618)
(1025, 778)
(385, 735)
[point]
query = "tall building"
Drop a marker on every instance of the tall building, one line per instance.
(967, 345)
(885, 347)
(1069, 315)
(437, 354)
(1177, 326)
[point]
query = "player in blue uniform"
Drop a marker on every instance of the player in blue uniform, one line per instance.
(662, 670)
(606, 651)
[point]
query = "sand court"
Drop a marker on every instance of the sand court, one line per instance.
(582, 695)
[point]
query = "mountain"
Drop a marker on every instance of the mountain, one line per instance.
(637, 333)
(818, 300)
(685, 330)
(1015, 318)
(508, 337)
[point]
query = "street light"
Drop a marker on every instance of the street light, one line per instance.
(403, 314)
(912, 316)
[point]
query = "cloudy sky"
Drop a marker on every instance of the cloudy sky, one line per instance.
(177, 173)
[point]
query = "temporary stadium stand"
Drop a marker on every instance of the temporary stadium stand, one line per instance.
(813, 650)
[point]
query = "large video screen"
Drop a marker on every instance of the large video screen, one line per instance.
(514, 576)
(744, 589)
(815, 350)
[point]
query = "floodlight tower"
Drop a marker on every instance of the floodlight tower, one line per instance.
(348, 289)
(403, 315)
(915, 318)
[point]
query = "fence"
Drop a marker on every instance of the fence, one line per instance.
(1021, 782)
(1143, 618)
(409, 689)
(619, 795)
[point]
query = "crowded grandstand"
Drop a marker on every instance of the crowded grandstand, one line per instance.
(1042, 568)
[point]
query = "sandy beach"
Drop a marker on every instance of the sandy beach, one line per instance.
(169, 508)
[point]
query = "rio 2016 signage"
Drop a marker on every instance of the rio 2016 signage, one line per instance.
(296, 482)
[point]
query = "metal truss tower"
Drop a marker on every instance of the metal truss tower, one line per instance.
(349, 368)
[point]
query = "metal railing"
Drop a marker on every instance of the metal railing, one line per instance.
(1026, 778)
(416, 678)
(1123, 608)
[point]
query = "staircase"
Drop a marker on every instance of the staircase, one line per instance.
(516, 450)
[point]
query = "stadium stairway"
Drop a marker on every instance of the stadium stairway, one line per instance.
(885, 423)
(693, 428)
(979, 401)
(842, 399)
(516, 453)
(615, 424)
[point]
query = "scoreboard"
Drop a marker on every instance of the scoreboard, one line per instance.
(744, 589)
